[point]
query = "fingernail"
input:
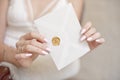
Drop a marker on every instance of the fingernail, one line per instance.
(48, 49)
(90, 39)
(44, 52)
(83, 38)
(83, 31)
(98, 40)
(45, 40)
(28, 55)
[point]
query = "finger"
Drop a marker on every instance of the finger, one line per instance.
(20, 49)
(23, 55)
(33, 49)
(86, 27)
(100, 40)
(94, 37)
(33, 35)
(88, 33)
(37, 44)
(20, 43)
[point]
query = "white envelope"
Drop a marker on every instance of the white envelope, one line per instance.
(63, 24)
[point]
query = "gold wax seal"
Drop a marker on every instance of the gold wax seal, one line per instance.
(56, 41)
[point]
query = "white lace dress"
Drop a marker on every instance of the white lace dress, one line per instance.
(43, 68)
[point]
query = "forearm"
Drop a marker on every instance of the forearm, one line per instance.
(81, 10)
(78, 6)
(7, 54)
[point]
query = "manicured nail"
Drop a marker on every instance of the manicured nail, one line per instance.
(45, 40)
(102, 40)
(98, 40)
(44, 52)
(28, 55)
(83, 31)
(83, 38)
(90, 39)
(19, 56)
(48, 49)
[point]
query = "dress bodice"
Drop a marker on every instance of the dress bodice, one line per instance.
(19, 23)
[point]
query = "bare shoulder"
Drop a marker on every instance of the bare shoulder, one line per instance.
(77, 4)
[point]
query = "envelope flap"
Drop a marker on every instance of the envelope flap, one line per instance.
(54, 19)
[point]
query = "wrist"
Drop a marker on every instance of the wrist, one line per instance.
(1, 56)
(2, 53)
(9, 56)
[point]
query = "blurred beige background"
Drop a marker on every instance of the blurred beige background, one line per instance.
(104, 62)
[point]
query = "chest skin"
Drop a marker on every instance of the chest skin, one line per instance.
(38, 6)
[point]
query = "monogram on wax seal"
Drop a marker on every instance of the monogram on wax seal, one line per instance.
(56, 41)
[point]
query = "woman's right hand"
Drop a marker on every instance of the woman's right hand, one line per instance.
(29, 47)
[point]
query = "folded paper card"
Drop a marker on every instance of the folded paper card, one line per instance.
(62, 29)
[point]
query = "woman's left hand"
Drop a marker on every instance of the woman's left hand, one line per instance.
(90, 34)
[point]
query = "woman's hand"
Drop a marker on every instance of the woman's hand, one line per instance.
(90, 34)
(29, 47)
